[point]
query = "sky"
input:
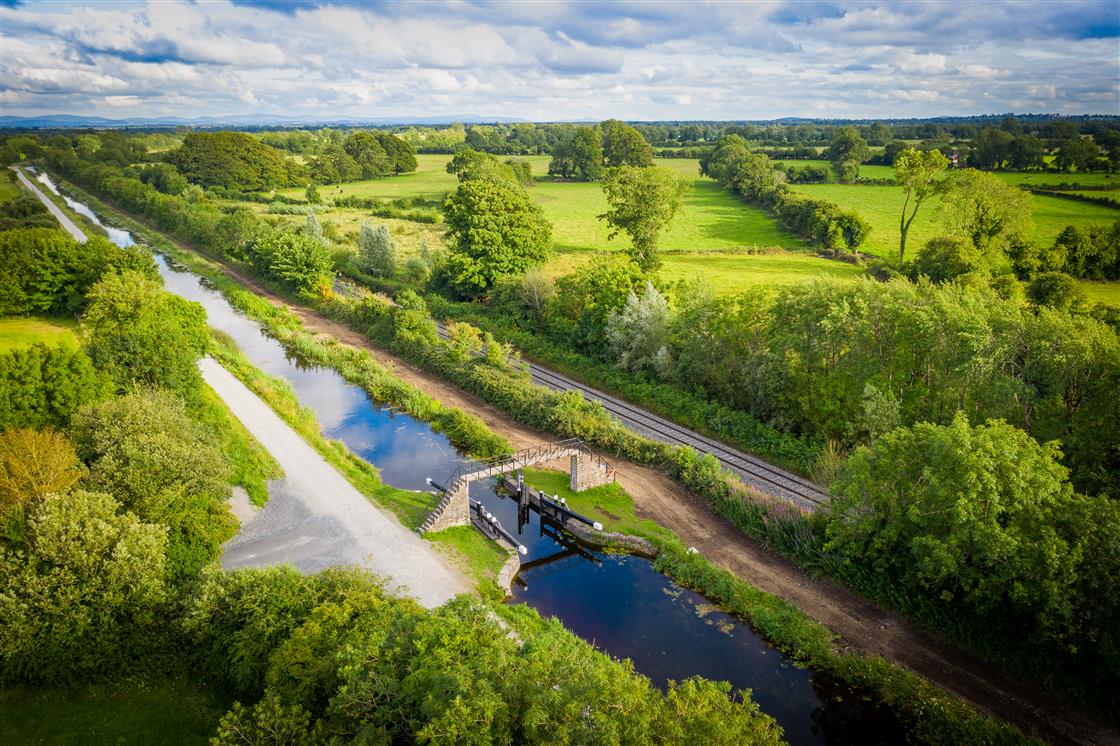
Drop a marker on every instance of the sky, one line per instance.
(551, 61)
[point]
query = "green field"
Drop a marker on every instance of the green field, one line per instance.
(1102, 293)
(882, 205)
(710, 218)
(726, 273)
(9, 189)
(22, 332)
(163, 712)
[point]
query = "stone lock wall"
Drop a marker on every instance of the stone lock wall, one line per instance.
(586, 473)
(453, 510)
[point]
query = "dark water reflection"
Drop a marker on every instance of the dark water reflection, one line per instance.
(619, 603)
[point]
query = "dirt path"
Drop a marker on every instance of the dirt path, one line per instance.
(864, 626)
(316, 519)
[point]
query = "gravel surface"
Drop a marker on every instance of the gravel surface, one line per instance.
(59, 215)
(315, 518)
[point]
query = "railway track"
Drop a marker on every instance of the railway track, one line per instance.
(750, 469)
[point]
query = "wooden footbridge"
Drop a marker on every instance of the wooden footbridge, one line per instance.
(456, 508)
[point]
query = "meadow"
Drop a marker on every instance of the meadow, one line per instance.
(715, 236)
(9, 189)
(16, 333)
(881, 206)
(711, 220)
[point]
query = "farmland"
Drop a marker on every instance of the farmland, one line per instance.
(882, 205)
(715, 235)
(22, 332)
(710, 220)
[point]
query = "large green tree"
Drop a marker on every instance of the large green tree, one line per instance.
(961, 514)
(847, 151)
(140, 334)
(44, 270)
(496, 229)
(984, 207)
(367, 152)
(42, 385)
(144, 449)
(578, 156)
(917, 173)
(624, 146)
(81, 590)
(234, 160)
(642, 204)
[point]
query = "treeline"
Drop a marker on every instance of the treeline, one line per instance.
(755, 178)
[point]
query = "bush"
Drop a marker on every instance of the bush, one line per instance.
(145, 450)
(296, 260)
(42, 384)
(80, 594)
(140, 334)
(1056, 290)
(946, 258)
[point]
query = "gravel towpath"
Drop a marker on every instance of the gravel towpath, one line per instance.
(315, 518)
(59, 215)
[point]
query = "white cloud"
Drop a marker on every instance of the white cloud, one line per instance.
(557, 60)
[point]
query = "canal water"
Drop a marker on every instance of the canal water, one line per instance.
(617, 602)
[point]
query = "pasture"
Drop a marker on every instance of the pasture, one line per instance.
(715, 234)
(16, 333)
(881, 206)
(736, 273)
(9, 189)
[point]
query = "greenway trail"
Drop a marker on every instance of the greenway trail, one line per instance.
(58, 214)
(315, 519)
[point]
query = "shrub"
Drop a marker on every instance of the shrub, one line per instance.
(947, 257)
(145, 450)
(42, 384)
(81, 593)
(1056, 290)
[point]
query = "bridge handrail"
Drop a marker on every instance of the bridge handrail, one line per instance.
(534, 453)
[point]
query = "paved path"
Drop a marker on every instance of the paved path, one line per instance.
(315, 518)
(59, 215)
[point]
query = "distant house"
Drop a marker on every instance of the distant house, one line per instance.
(954, 160)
